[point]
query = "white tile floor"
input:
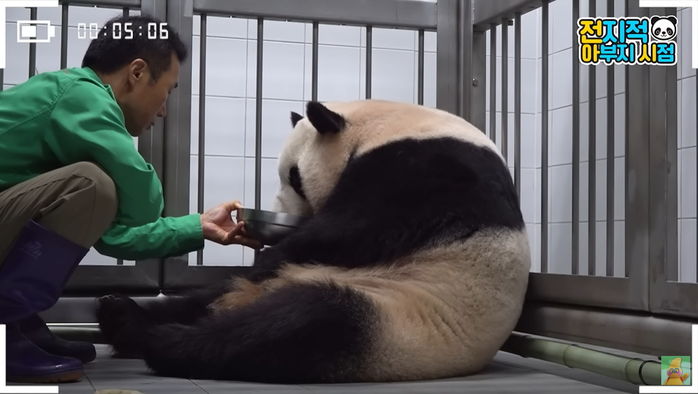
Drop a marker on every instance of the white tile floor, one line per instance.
(507, 373)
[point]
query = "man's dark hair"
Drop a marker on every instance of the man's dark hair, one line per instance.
(107, 54)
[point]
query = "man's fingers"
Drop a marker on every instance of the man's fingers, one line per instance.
(249, 242)
(232, 205)
(230, 235)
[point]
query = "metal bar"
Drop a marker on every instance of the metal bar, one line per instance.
(420, 67)
(544, 143)
(369, 52)
(591, 223)
(488, 12)
(64, 35)
(641, 233)
(2, 79)
(505, 90)
(258, 117)
(104, 3)
(493, 83)
(670, 160)
(696, 131)
(465, 57)
(177, 138)
(32, 47)
(610, 159)
(478, 81)
(517, 104)
(378, 13)
(316, 49)
(575, 141)
(125, 14)
(202, 125)
(449, 69)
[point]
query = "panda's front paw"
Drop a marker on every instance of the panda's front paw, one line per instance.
(123, 324)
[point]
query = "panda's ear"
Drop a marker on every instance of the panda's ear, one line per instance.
(673, 19)
(323, 119)
(655, 19)
(295, 118)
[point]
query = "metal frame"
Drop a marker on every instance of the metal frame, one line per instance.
(377, 13)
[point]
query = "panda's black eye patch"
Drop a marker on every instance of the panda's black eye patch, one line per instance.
(294, 178)
(669, 31)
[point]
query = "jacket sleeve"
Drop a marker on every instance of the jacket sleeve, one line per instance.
(88, 125)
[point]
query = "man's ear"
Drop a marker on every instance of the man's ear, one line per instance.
(137, 70)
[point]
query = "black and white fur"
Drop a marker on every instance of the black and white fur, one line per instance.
(414, 264)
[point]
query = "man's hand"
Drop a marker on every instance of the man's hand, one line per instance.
(219, 226)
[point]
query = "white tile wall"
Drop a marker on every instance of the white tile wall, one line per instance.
(559, 192)
(687, 182)
(393, 75)
(687, 250)
(583, 248)
(559, 248)
(560, 21)
(601, 248)
(687, 117)
(619, 249)
(276, 125)
(340, 78)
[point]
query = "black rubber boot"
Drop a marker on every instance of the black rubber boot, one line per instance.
(32, 278)
(27, 363)
(35, 329)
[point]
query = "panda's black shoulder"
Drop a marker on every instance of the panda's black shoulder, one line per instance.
(431, 179)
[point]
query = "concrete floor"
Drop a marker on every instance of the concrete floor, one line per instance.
(507, 373)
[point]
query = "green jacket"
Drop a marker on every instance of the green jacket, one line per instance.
(63, 117)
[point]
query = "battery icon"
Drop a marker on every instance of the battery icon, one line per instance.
(35, 31)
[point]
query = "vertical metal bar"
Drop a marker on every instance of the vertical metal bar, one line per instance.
(478, 80)
(64, 36)
(202, 125)
(177, 137)
(465, 58)
(610, 159)
(505, 90)
(493, 83)
(420, 67)
(592, 161)
(316, 48)
(369, 61)
(124, 13)
(449, 69)
(258, 117)
(670, 91)
(32, 47)
(544, 143)
(575, 141)
(517, 103)
(696, 131)
(2, 79)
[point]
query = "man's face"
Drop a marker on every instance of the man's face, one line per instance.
(147, 98)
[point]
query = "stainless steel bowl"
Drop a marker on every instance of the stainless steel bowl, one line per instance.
(269, 227)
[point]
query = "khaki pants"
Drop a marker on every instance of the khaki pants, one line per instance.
(77, 201)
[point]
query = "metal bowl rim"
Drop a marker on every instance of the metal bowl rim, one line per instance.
(270, 217)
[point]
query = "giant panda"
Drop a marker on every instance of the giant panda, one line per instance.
(413, 264)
